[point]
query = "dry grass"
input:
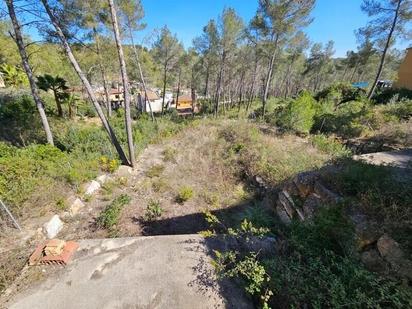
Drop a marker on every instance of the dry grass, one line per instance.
(274, 158)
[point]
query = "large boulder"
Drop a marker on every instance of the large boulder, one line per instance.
(390, 250)
(311, 205)
(305, 182)
(325, 194)
(373, 261)
(367, 231)
(53, 227)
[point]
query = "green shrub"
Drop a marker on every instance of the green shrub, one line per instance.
(350, 119)
(110, 216)
(400, 110)
(340, 93)
(329, 145)
(85, 109)
(381, 194)
(298, 114)
(153, 210)
(108, 165)
(185, 193)
(392, 95)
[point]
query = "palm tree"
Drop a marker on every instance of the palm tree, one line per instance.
(56, 84)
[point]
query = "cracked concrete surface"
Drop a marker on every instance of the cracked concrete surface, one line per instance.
(142, 272)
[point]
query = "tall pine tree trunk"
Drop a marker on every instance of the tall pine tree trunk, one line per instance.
(385, 50)
(269, 76)
(136, 56)
(125, 80)
(85, 82)
(26, 66)
(164, 86)
(103, 72)
(219, 84)
(178, 86)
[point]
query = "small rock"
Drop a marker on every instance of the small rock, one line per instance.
(367, 232)
(124, 171)
(283, 215)
(53, 227)
(285, 201)
(92, 187)
(305, 182)
(102, 179)
(76, 206)
(373, 261)
(311, 205)
(325, 194)
(390, 250)
(291, 188)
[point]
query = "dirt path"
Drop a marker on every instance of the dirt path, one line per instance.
(192, 160)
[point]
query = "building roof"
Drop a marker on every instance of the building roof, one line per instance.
(115, 91)
(185, 98)
(151, 95)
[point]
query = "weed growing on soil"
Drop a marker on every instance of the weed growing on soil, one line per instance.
(159, 185)
(185, 193)
(109, 217)
(155, 170)
(169, 155)
(153, 210)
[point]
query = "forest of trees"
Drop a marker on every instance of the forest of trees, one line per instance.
(232, 58)
(234, 61)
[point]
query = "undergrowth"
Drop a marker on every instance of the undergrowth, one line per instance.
(317, 269)
(110, 216)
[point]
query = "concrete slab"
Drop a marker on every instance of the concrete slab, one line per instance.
(142, 272)
(400, 158)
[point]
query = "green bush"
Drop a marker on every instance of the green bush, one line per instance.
(381, 194)
(317, 269)
(329, 145)
(38, 169)
(110, 216)
(298, 114)
(392, 95)
(153, 210)
(340, 93)
(349, 119)
(398, 111)
(85, 109)
(185, 193)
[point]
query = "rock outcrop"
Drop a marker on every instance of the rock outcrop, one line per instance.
(302, 197)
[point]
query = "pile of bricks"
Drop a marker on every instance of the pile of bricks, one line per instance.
(53, 252)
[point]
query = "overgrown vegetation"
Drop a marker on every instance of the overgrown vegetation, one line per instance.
(109, 217)
(273, 159)
(318, 269)
(153, 210)
(344, 111)
(185, 193)
(42, 174)
(382, 194)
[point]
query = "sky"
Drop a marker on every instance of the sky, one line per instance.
(333, 19)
